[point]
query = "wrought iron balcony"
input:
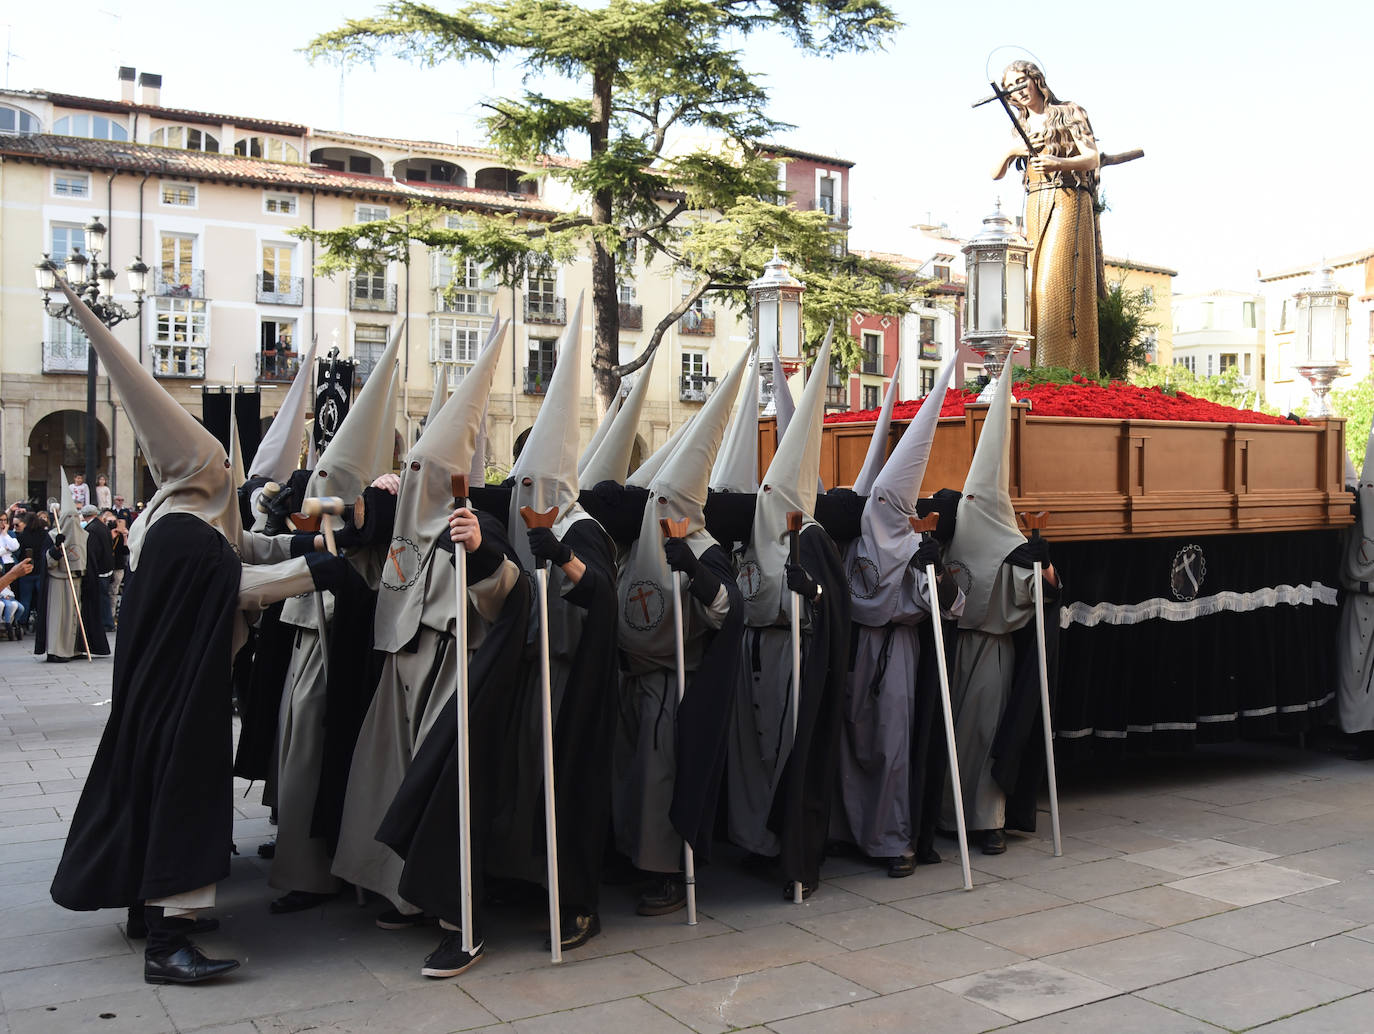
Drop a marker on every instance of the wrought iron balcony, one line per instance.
(65, 356)
(369, 296)
(838, 212)
(872, 363)
(837, 396)
(280, 290)
(694, 387)
(698, 321)
(537, 379)
(183, 283)
(178, 360)
(277, 365)
(631, 316)
(546, 310)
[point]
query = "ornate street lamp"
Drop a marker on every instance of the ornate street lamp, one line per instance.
(997, 320)
(776, 315)
(1323, 337)
(94, 284)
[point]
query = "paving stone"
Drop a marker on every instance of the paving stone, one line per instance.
(26, 871)
(34, 951)
(1339, 861)
(983, 904)
(1251, 884)
(868, 927)
(1349, 899)
(53, 985)
(513, 996)
(1057, 929)
(434, 1008)
(907, 964)
(1028, 989)
(741, 952)
(1198, 856)
(1278, 810)
(627, 1016)
(876, 885)
(130, 1012)
(762, 997)
(1347, 959)
(1343, 1017)
(1128, 839)
(1162, 906)
(1095, 879)
(927, 1009)
(258, 988)
(1267, 927)
(1124, 1014)
(1247, 993)
(1145, 959)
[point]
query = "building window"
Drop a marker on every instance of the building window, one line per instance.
(369, 342)
(64, 348)
(1209, 364)
(178, 195)
(66, 238)
(371, 213)
(826, 191)
(1228, 360)
(176, 270)
(461, 284)
(93, 127)
(71, 184)
(181, 333)
(629, 294)
(1147, 294)
(872, 396)
(186, 139)
(541, 289)
(267, 147)
(454, 345)
(1247, 315)
(277, 260)
(871, 342)
(1283, 315)
(280, 204)
(14, 122)
(1247, 364)
(927, 380)
(930, 348)
(278, 359)
(942, 273)
(543, 356)
(1188, 362)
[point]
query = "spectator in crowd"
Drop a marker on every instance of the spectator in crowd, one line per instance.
(100, 549)
(119, 547)
(103, 498)
(30, 531)
(12, 613)
(122, 511)
(81, 492)
(9, 545)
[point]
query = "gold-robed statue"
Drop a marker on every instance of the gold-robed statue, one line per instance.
(1058, 152)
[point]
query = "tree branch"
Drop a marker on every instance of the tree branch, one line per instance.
(656, 338)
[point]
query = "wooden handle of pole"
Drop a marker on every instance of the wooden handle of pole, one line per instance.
(304, 522)
(1033, 522)
(534, 519)
(674, 529)
(359, 513)
(794, 527)
(328, 504)
(459, 484)
(928, 523)
(270, 491)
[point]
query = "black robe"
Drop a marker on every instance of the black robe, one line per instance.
(259, 695)
(929, 750)
(421, 825)
(155, 816)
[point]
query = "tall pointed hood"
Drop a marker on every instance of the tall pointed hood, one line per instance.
(279, 452)
(546, 472)
(985, 529)
(187, 462)
(349, 462)
(599, 435)
(650, 467)
(789, 484)
(478, 473)
(440, 396)
(783, 406)
(424, 502)
(737, 463)
(877, 446)
(384, 459)
(236, 471)
(611, 461)
(69, 524)
(877, 560)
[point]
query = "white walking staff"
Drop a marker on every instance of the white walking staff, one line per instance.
(927, 525)
(794, 526)
(459, 484)
(678, 529)
(534, 519)
(1034, 522)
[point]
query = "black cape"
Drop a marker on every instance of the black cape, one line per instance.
(259, 694)
(929, 750)
(155, 816)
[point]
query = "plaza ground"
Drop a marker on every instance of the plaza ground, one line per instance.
(1229, 889)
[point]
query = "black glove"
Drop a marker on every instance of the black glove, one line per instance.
(330, 573)
(278, 509)
(680, 557)
(303, 543)
(547, 548)
(1026, 554)
(800, 582)
(927, 553)
(58, 539)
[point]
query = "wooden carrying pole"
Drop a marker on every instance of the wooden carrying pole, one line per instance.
(794, 527)
(534, 519)
(676, 529)
(1034, 522)
(927, 525)
(459, 483)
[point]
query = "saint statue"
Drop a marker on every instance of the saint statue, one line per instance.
(1061, 218)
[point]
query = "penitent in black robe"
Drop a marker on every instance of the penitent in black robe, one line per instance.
(422, 823)
(155, 816)
(88, 587)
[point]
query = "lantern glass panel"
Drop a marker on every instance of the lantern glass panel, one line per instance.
(767, 324)
(789, 327)
(989, 315)
(1016, 298)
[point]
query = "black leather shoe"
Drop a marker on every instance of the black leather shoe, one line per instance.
(994, 842)
(668, 894)
(136, 927)
(578, 930)
(184, 966)
(901, 866)
(297, 901)
(268, 849)
(927, 856)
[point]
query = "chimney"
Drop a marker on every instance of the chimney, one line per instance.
(126, 84)
(150, 89)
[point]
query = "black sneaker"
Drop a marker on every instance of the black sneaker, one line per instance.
(392, 919)
(449, 959)
(668, 894)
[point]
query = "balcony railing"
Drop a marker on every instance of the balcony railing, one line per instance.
(694, 387)
(836, 396)
(280, 290)
(178, 361)
(698, 321)
(631, 316)
(184, 283)
(872, 363)
(537, 379)
(64, 356)
(367, 296)
(838, 212)
(546, 310)
(276, 366)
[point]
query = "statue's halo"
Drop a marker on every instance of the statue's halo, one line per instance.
(1001, 56)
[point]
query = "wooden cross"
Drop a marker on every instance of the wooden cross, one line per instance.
(642, 599)
(392, 555)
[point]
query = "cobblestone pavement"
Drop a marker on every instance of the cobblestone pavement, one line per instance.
(1229, 889)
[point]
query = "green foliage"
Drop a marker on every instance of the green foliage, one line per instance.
(1122, 320)
(1356, 404)
(1228, 389)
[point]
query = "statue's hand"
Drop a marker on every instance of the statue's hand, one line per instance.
(1046, 163)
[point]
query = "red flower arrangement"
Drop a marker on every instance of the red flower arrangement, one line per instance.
(1086, 398)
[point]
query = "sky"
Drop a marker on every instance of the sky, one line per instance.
(1253, 117)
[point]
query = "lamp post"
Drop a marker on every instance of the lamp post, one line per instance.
(94, 285)
(997, 321)
(775, 311)
(1323, 337)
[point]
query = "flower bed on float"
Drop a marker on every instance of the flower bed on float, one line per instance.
(1086, 398)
